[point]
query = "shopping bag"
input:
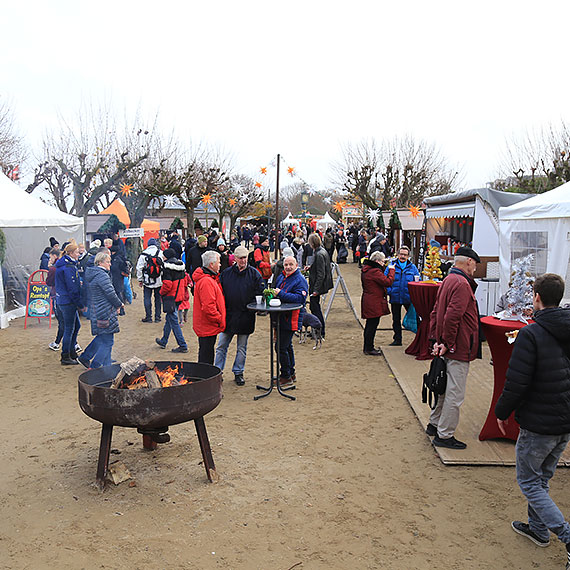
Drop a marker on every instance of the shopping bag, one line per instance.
(410, 320)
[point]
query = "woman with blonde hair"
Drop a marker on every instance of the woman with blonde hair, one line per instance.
(374, 303)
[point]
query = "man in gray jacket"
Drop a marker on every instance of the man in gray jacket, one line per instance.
(149, 276)
(320, 278)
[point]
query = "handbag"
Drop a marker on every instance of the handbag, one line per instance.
(169, 301)
(435, 382)
(410, 321)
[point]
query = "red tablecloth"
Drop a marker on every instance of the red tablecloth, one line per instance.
(422, 295)
(501, 350)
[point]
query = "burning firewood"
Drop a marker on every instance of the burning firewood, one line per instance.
(152, 379)
(133, 367)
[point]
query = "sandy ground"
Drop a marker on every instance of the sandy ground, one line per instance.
(344, 477)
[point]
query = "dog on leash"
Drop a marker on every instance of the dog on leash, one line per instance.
(316, 330)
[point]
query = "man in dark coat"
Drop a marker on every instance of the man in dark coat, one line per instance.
(240, 284)
(176, 245)
(320, 278)
(537, 389)
(454, 330)
(194, 254)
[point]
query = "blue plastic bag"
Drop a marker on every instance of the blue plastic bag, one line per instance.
(128, 291)
(410, 322)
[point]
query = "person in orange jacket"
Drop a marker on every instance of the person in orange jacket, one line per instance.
(209, 314)
(262, 258)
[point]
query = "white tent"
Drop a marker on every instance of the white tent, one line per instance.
(27, 224)
(289, 219)
(326, 221)
(541, 226)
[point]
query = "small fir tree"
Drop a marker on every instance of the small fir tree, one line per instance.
(519, 295)
(432, 264)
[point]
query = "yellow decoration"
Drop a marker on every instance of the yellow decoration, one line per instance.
(258, 184)
(233, 201)
(263, 170)
(206, 198)
(291, 171)
(126, 189)
(415, 211)
(432, 264)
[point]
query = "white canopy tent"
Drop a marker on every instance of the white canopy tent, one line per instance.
(541, 226)
(27, 224)
(289, 219)
(326, 221)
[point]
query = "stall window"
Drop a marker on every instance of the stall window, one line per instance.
(524, 243)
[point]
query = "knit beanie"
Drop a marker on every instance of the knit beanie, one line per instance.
(168, 253)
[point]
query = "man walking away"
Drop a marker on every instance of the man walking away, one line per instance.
(149, 275)
(537, 389)
(320, 278)
(240, 284)
(454, 330)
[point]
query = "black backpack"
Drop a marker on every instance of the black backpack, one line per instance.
(435, 382)
(251, 258)
(153, 267)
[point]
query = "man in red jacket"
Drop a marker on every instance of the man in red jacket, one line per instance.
(209, 312)
(454, 330)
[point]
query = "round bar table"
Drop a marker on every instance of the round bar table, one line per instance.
(274, 369)
(422, 295)
(501, 350)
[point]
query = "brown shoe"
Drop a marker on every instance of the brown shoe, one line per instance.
(284, 381)
(373, 352)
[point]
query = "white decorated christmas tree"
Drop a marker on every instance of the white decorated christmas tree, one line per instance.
(520, 293)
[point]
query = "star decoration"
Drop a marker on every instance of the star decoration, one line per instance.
(126, 189)
(373, 215)
(339, 205)
(415, 211)
(169, 201)
(233, 202)
(291, 171)
(206, 198)
(263, 170)
(258, 184)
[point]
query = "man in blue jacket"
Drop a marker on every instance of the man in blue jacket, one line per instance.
(399, 294)
(240, 284)
(537, 389)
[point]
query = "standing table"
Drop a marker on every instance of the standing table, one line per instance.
(501, 350)
(422, 295)
(274, 359)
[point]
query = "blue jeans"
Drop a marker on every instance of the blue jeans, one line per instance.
(222, 351)
(98, 352)
(148, 294)
(171, 324)
(537, 457)
(71, 326)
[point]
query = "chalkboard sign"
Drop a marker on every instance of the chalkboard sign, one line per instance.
(38, 302)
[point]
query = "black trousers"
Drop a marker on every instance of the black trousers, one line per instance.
(370, 333)
(315, 306)
(206, 346)
(397, 319)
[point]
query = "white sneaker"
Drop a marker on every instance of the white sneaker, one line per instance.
(53, 345)
(78, 349)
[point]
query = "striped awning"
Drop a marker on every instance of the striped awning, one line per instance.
(451, 211)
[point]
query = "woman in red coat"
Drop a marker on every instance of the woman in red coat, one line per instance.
(374, 302)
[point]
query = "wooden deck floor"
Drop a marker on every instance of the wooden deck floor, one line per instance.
(408, 372)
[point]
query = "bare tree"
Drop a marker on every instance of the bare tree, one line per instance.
(536, 161)
(12, 149)
(404, 170)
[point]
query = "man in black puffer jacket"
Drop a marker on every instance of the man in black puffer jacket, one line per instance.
(537, 389)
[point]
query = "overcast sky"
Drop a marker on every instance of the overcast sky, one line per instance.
(298, 78)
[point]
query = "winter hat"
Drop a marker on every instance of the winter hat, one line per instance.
(168, 253)
(381, 236)
(288, 252)
(468, 252)
(151, 241)
(221, 241)
(434, 243)
(53, 241)
(202, 239)
(241, 251)
(262, 239)
(96, 243)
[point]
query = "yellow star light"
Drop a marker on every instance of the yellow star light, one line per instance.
(233, 201)
(263, 170)
(339, 205)
(415, 211)
(291, 171)
(206, 198)
(258, 184)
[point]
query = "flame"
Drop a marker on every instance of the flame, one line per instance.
(167, 377)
